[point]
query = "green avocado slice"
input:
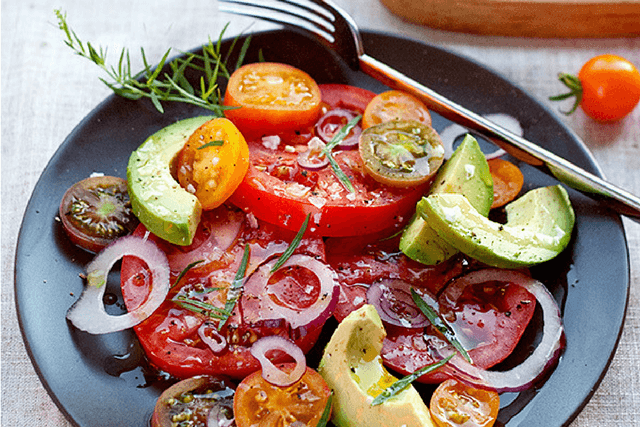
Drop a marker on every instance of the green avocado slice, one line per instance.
(157, 199)
(467, 173)
(352, 367)
(538, 227)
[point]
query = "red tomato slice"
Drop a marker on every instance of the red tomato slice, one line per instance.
(490, 319)
(277, 190)
(170, 335)
(259, 403)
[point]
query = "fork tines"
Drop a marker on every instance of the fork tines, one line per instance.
(310, 15)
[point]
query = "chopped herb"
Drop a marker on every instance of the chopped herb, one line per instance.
(324, 419)
(292, 246)
(198, 306)
(337, 139)
(186, 269)
(216, 143)
(404, 382)
(439, 324)
(233, 295)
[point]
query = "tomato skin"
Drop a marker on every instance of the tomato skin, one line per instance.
(507, 181)
(395, 105)
(345, 96)
(210, 169)
(258, 402)
(610, 87)
(453, 404)
(272, 98)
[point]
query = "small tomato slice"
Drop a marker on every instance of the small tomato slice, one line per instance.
(507, 181)
(454, 404)
(200, 401)
(213, 162)
(272, 98)
(257, 402)
(395, 105)
(96, 211)
(401, 153)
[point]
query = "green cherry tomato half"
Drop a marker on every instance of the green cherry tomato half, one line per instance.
(401, 153)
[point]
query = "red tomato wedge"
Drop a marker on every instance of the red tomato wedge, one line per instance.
(173, 337)
(278, 190)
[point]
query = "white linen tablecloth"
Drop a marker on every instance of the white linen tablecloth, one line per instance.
(46, 91)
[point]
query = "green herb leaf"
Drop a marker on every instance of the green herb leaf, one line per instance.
(337, 139)
(404, 382)
(186, 269)
(292, 246)
(216, 143)
(324, 419)
(439, 324)
(201, 307)
(233, 295)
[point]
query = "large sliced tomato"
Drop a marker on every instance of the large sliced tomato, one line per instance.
(172, 335)
(488, 318)
(278, 190)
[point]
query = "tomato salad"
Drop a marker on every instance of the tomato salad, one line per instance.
(301, 219)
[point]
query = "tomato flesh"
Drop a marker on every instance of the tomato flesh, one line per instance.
(258, 402)
(453, 404)
(395, 105)
(170, 335)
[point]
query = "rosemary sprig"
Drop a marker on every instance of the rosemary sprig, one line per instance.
(216, 143)
(337, 138)
(233, 295)
(292, 246)
(201, 307)
(326, 414)
(186, 269)
(155, 84)
(404, 382)
(439, 324)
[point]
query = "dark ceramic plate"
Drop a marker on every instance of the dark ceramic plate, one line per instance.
(103, 380)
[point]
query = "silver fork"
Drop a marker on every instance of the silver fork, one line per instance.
(337, 30)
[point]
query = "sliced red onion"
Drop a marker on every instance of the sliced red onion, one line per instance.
(313, 158)
(393, 302)
(88, 313)
(334, 120)
(545, 354)
(260, 304)
(224, 230)
(449, 134)
(209, 334)
(270, 372)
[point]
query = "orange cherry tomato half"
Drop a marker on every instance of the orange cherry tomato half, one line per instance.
(213, 162)
(257, 402)
(395, 105)
(507, 181)
(272, 97)
(454, 404)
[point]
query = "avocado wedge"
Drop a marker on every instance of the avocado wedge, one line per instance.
(538, 227)
(157, 199)
(467, 173)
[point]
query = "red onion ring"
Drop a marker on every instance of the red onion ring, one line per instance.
(546, 353)
(209, 334)
(393, 302)
(257, 305)
(270, 372)
(449, 134)
(334, 120)
(88, 312)
(312, 158)
(224, 230)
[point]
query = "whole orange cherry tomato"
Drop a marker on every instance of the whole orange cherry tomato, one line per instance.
(454, 404)
(607, 88)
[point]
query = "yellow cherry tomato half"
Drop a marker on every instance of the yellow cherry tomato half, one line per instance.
(272, 98)
(395, 105)
(454, 404)
(213, 162)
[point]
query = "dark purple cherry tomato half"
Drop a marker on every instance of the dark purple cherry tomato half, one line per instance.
(96, 211)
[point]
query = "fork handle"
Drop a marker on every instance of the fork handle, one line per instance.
(615, 198)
